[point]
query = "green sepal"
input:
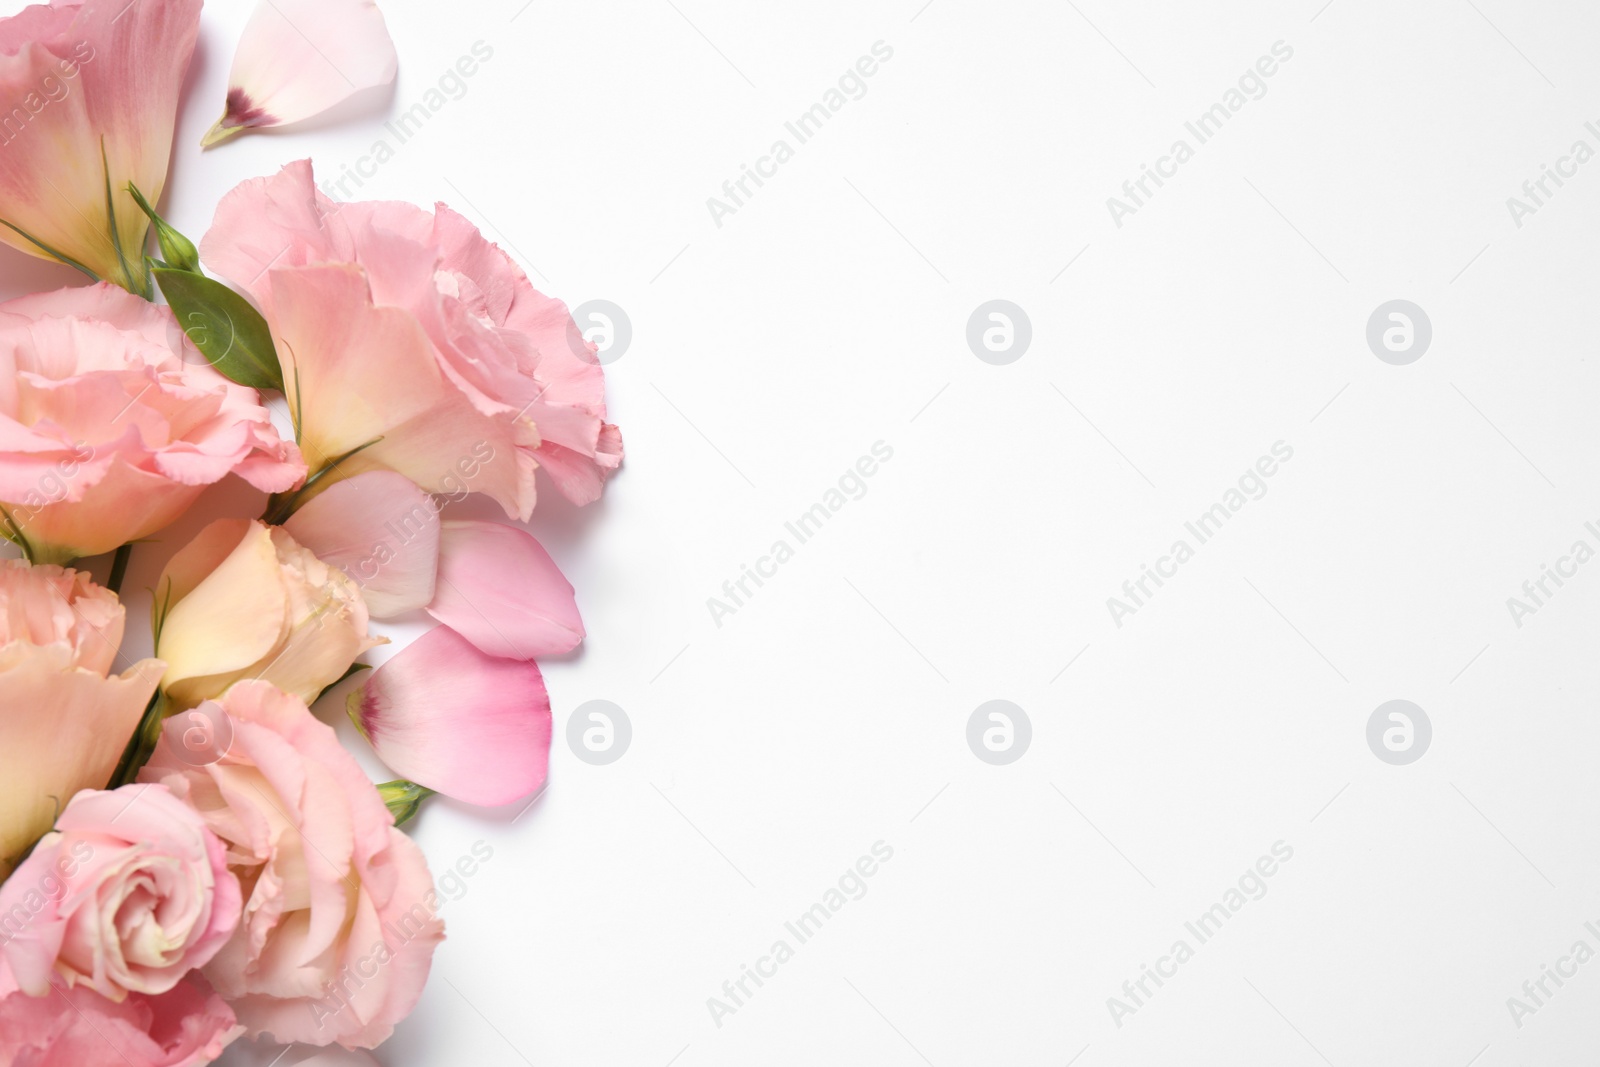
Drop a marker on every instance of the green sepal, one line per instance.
(404, 799)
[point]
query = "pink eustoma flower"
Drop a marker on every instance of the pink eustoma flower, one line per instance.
(449, 717)
(298, 58)
(187, 1026)
(128, 894)
(471, 378)
(112, 423)
(64, 718)
(91, 92)
(340, 914)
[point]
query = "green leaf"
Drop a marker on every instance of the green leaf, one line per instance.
(224, 326)
(177, 249)
(403, 798)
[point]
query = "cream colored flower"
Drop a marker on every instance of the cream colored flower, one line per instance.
(245, 600)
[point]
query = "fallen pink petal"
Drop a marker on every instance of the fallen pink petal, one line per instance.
(464, 724)
(500, 590)
(298, 58)
(382, 532)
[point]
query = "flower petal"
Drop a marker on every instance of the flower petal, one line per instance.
(103, 82)
(298, 58)
(361, 374)
(188, 1026)
(338, 1057)
(464, 724)
(232, 617)
(500, 590)
(62, 730)
(382, 531)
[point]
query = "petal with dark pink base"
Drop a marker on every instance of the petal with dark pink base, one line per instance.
(470, 726)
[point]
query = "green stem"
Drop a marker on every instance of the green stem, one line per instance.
(13, 533)
(142, 745)
(119, 568)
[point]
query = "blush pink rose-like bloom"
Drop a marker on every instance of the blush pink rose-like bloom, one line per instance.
(187, 1026)
(91, 101)
(64, 718)
(112, 423)
(407, 325)
(340, 913)
(128, 894)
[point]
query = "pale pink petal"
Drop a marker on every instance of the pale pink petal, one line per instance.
(298, 58)
(276, 221)
(382, 531)
(112, 423)
(188, 1026)
(360, 374)
(71, 89)
(338, 1057)
(500, 590)
(61, 730)
(464, 724)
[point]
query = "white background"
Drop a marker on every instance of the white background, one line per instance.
(1168, 754)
